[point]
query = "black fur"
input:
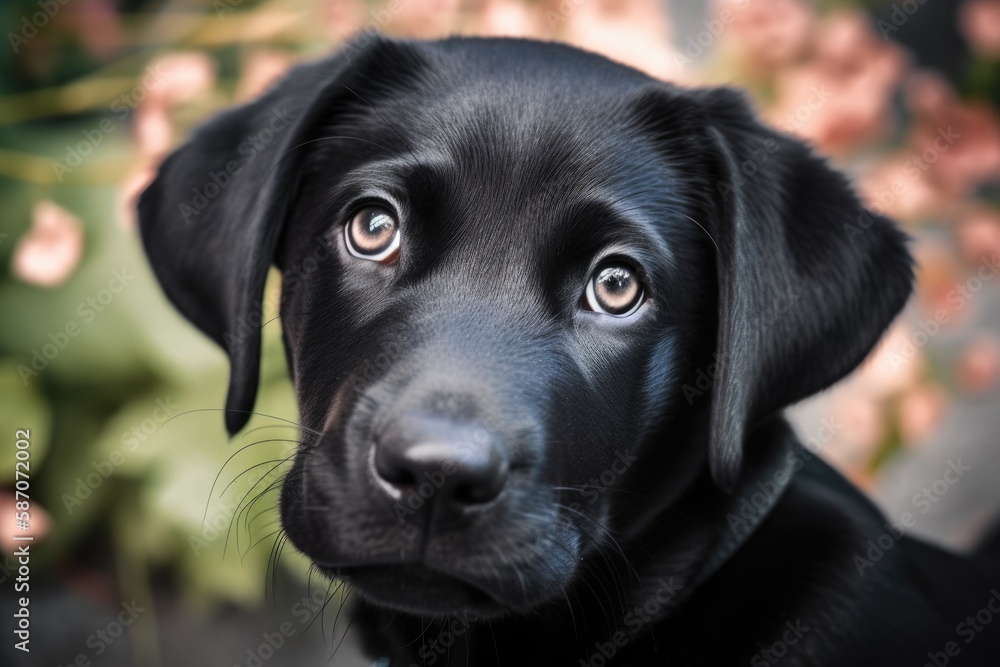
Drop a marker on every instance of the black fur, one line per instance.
(651, 506)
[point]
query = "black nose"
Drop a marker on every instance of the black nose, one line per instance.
(437, 468)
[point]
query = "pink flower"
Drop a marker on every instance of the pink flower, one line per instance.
(343, 18)
(979, 235)
(957, 143)
(841, 97)
(979, 366)
(634, 33)
(920, 412)
(99, 26)
(260, 70)
(178, 77)
(894, 365)
(763, 35)
(980, 21)
(426, 20)
(48, 253)
(129, 195)
(862, 421)
(153, 130)
(508, 18)
(897, 188)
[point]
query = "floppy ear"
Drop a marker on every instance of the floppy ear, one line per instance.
(211, 219)
(808, 279)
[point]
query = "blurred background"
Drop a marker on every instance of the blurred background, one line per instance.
(156, 539)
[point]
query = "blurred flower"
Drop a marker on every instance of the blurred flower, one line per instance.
(920, 412)
(39, 520)
(941, 279)
(979, 234)
(427, 19)
(343, 18)
(636, 33)
(50, 250)
(169, 81)
(129, 195)
(509, 18)
(897, 188)
(958, 142)
(841, 97)
(894, 365)
(980, 21)
(764, 35)
(862, 422)
(260, 70)
(99, 26)
(153, 130)
(979, 366)
(179, 77)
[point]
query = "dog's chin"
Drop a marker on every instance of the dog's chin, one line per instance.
(416, 589)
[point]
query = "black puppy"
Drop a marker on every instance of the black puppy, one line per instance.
(541, 313)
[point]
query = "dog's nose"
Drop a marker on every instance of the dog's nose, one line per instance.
(438, 467)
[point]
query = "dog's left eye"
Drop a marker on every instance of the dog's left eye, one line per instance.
(373, 233)
(614, 289)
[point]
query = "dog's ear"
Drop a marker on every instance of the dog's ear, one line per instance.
(211, 220)
(808, 279)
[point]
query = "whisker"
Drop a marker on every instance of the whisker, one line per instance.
(245, 412)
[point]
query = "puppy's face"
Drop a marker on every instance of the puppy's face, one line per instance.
(508, 268)
(511, 295)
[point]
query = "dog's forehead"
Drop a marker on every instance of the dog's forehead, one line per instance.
(519, 152)
(507, 107)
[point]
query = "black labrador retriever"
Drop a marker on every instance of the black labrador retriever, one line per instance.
(542, 313)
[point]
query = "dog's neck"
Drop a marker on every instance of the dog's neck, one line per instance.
(696, 537)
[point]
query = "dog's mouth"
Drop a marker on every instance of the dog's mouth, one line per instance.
(416, 588)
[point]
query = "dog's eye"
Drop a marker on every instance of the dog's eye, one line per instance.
(373, 233)
(614, 289)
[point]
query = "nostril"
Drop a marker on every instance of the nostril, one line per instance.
(394, 474)
(476, 493)
(453, 466)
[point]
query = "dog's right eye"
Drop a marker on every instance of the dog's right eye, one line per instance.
(373, 233)
(614, 289)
